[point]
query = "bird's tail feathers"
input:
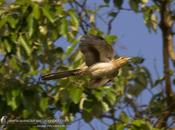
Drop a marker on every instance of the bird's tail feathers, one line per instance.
(59, 75)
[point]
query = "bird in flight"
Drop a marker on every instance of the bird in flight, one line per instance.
(101, 66)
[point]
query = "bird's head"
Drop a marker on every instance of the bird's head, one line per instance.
(119, 62)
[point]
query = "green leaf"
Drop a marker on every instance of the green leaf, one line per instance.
(105, 106)
(118, 3)
(12, 98)
(99, 95)
(113, 14)
(83, 99)
(62, 127)
(97, 109)
(25, 113)
(134, 4)
(117, 126)
(70, 49)
(33, 128)
(111, 98)
(12, 21)
(36, 11)
(111, 38)
(140, 124)
(159, 81)
(75, 94)
(123, 117)
(7, 45)
(64, 27)
(30, 23)
(3, 21)
(44, 101)
(71, 36)
(14, 63)
(95, 31)
(47, 13)
(24, 44)
(154, 22)
(144, 1)
(87, 116)
(106, 1)
(74, 21)
(137, 60)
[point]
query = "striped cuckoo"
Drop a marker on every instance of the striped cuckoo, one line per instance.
(99, 59)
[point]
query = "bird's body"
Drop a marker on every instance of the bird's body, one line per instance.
(105, 69)
(99, 58)
(100, 70)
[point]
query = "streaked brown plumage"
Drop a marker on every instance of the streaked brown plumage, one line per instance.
(99, 58)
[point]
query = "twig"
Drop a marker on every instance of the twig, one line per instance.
(128, 9)
(92, 127)
(110, 22)
(83, 23)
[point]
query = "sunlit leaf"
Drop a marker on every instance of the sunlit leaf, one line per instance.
(124, 118)
(36, 11)
(144, 1)
(43, 30)
(74, 21)
(30, 22)
(47, 13)
(64, 27)
(12, 21)
(117, 126)
(70, 49)
(83, 99)
(159, 81)
(105, 106)
(7, 45)
(154, 22)
(140, 124)
(25, 45)
(3, 21)
(75, 94)
(111, 38)
(12, 98)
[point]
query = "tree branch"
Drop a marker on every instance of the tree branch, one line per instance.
(166, 25)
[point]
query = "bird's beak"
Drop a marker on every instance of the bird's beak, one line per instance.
(129, 58)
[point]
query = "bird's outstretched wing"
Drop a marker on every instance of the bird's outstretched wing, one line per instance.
(95, 49)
